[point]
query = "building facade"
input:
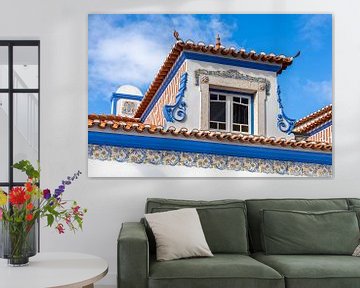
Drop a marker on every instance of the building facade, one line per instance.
(209, 107)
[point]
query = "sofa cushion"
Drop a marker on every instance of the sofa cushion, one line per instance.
(178, 234)
(297, 232)
(255, 206)
(353, 201)
(315, 271)
(223, 221)
(222, 270)
(356, 209)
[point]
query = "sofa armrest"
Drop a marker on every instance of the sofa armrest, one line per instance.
(133, 256)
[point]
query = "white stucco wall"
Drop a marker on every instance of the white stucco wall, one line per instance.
(61, 25)
(120, 103)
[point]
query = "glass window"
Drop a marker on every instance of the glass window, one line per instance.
(19, 109)
(25, 130)
(218, 112)
(4, 141)
(4, 67)
(230, 110)
(26, 72)
(213, 97)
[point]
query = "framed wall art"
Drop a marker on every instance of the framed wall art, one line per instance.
(178, 95)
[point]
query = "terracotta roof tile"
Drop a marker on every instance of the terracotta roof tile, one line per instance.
(115, 124)
(189, 45)
(313, 120)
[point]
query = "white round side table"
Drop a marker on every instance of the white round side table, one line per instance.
(50, 270)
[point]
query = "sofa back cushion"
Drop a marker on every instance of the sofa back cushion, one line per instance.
(297, 232)
(255, 206)
(353, 201)
(223, 221)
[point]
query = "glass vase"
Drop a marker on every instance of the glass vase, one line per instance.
(18, 242)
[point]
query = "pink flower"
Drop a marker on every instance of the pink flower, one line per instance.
(1, 213)
(76, 210)
(60, 228)
(68, 219)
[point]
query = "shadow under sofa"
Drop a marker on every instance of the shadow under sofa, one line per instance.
(232, 229)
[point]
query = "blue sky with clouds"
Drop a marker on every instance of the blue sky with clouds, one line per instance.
(129, 49)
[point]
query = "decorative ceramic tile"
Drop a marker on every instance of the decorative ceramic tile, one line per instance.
(199, 160)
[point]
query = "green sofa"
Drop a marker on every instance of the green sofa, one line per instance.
(233, 230)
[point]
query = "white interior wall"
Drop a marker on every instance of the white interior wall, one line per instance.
(61, 26)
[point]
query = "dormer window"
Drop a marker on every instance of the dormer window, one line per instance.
(230, 111)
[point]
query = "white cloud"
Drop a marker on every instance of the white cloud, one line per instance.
(131, 52)
(320, 90)
(311, 28)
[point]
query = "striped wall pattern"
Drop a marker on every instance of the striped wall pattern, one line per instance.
(324, 135)
(156, 115)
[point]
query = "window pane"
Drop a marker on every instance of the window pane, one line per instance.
(240, 114)
(245, 129)
(213, 97)
(222, 126)
(25, 130)
(25, 67)
(217, 111)
(236, 99)
(4, 67)
(222, 97)
(244, 113)
(236, 127)
(213, 125)
(245, 100)
(4, 137)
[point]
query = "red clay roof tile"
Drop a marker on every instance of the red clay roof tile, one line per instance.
(180, 46)
(313, 120)
(102, 122)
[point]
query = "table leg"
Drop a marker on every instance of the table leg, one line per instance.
(89, 286)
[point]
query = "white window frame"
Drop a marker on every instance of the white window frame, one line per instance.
(229, 109)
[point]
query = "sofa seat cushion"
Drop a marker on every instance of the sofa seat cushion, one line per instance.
(315, 271)
(222, 270)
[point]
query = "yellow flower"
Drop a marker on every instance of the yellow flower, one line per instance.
(3, 198)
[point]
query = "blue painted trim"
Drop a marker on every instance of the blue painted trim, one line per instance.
(252, 116)
(164, 85)
(181, 145)
(116, 96)
(206, 58)
(324, 126)
(114, 103)
(177, 112)
(284, 123)
(112, 107)
(245, 94)
(232, 62)
(126, 96)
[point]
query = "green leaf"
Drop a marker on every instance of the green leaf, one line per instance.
(26, 167)
(53, 211)
(50, 219)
